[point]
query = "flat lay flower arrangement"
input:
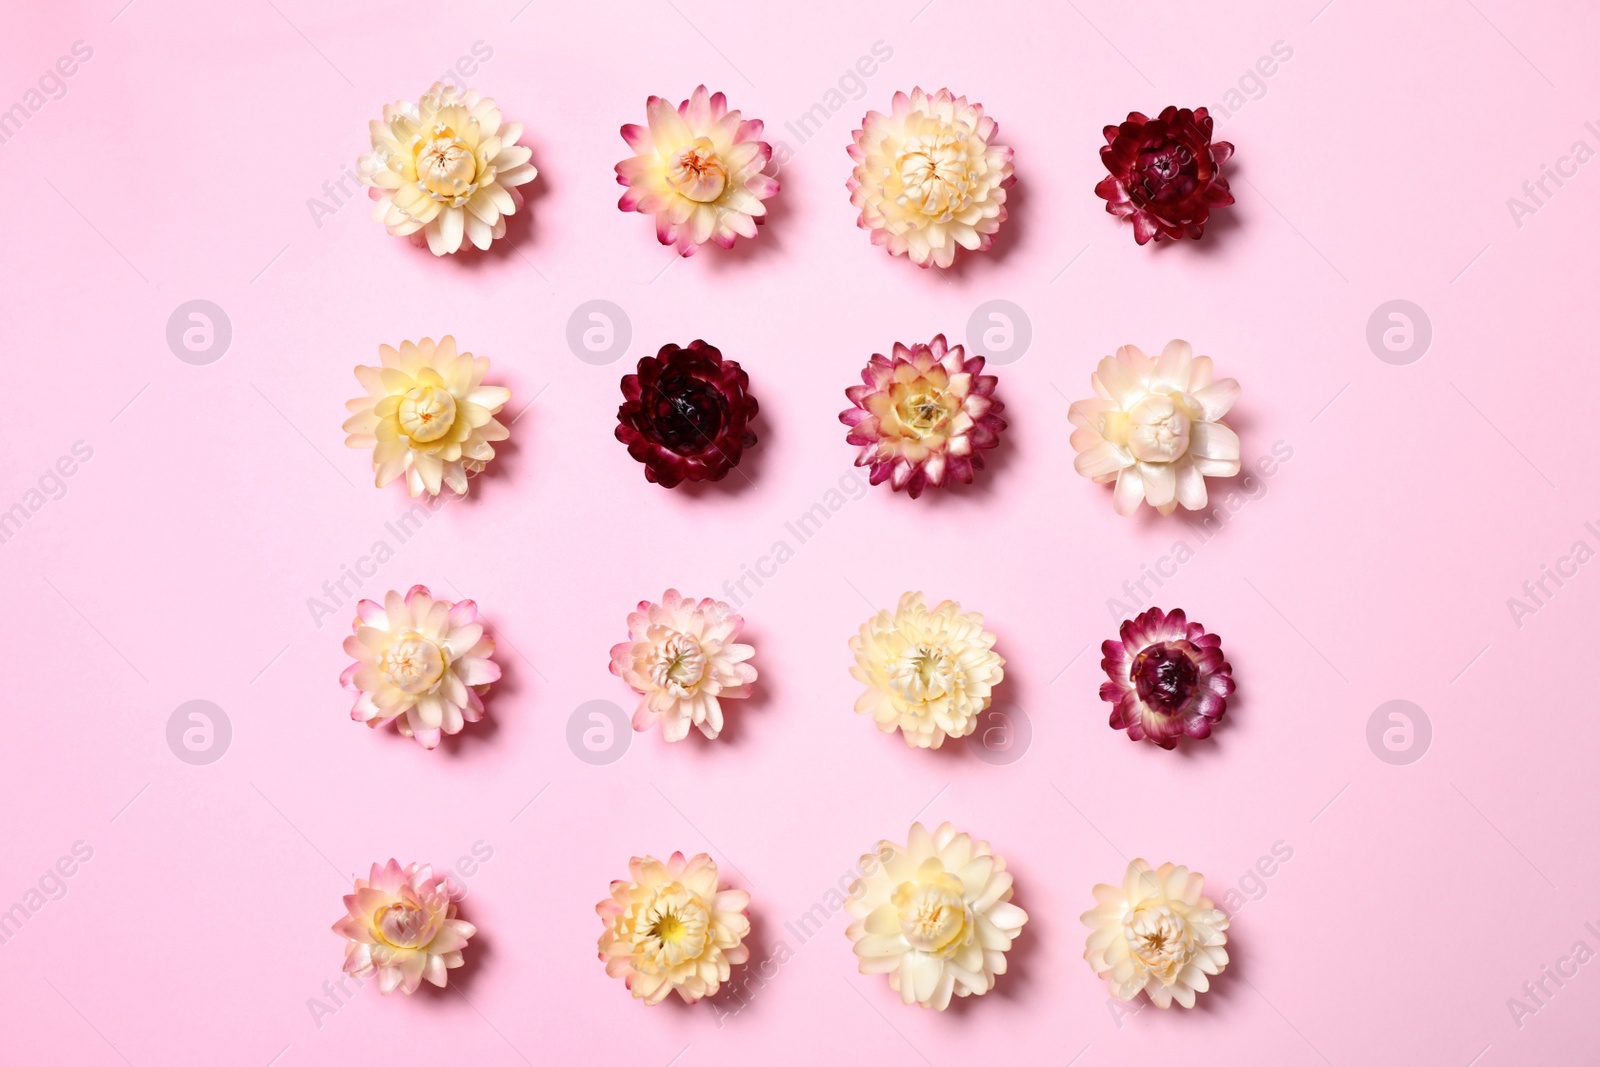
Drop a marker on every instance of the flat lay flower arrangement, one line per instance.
(716, 542)
(930, 178)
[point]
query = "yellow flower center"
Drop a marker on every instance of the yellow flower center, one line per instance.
(1158, 430)
(1160, 939)
(413, 664)
(403, 925)
(935, 174)
(697, 172)
(924, 672)
(675, 927)
(427, 413)
(446, 167)
(933, 915)
(679, 664)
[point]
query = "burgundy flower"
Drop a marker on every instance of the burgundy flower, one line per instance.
(686, 414)
(923, 415)
(1167, 678)
(1164, 173)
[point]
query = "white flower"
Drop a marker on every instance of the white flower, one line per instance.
(934, 915)
(929, 674)
(1155, 428)
(427, 415)
(1158, 933)
(929, 177)
(684, 659)
(446, 169)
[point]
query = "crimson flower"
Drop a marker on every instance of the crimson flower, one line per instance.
(686, 414)
(1164, 173)
(1167, 678)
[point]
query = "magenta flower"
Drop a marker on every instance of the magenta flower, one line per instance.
(1167, 678)
(1165, 173)
(923, 415)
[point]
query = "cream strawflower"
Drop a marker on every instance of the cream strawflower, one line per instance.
(929, 674)
(1156, 932)
(699, 169)
(929, 177)
(1155, 428)
(673, 928)
(402, 927)
(427, 415)
(684, 659)
(935, 916)
(420, 663)
(446, 169)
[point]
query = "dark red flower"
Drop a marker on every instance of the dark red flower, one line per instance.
(686, 414)
(1164, 173)
(1167, 678)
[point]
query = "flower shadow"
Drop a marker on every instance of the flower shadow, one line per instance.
(1003, 244)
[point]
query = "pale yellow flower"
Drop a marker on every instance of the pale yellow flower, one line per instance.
(427, 415)
(929, 674)
(1157, 933)
(934, 915)
(445, 169)
(673, 928)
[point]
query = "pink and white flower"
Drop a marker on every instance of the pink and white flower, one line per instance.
(673, 929)
(402, 927)
(420, 663)
(684, 659)
(923, 416)
(1154, 427)
(444, 171)
(700, 169)
(929, 177)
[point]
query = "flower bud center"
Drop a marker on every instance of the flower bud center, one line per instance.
(697, 172)
(1160, 939)
(427, 413)
(403, 925)
(413, 664)
(933, 916)
(924, 672)
(1164, 677)
(675, 927)
(1158, 431)
(935, 175)
(679, 664)
(446, 167)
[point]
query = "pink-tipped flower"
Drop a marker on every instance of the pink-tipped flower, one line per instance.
(683, 658)
(402, 927)
(700, 169)
(420, 663)
(929, 177)
(1167, 678)
(923, 415)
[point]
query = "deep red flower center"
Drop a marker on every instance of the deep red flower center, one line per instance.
(1165, 170)
(686, 413)
(1164, 676)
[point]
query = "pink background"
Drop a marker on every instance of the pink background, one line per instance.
(1374, 565)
